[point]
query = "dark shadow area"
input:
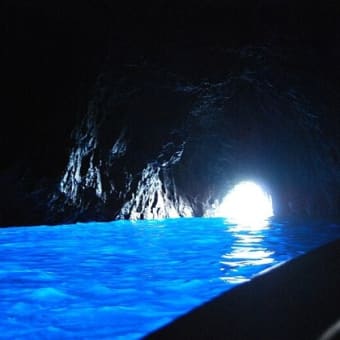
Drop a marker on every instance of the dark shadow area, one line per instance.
(109, 106)
(298, 300)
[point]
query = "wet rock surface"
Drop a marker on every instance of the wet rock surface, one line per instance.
(130, 126)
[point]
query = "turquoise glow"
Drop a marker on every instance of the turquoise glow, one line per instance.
(121, 280)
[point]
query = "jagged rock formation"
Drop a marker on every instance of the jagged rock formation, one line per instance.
(124, 152)
(168, 123)
(157, 144)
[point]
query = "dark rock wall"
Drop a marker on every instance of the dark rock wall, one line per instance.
(156, 144)
(134, 116)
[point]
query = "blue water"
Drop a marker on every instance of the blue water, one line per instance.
(121, 280)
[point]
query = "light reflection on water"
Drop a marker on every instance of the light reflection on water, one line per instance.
(124, 279)
(247, 252)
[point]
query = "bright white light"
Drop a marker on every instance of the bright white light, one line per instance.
(246, 204)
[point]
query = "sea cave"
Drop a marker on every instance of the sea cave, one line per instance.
(225, 114)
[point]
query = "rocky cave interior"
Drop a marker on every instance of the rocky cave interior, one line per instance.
(133, 111)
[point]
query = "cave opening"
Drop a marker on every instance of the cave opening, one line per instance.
(247, 203)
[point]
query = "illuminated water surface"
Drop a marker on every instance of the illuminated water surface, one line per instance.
(121, 280)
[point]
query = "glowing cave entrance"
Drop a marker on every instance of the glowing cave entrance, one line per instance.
(246, 204)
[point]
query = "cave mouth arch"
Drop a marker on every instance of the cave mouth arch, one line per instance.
(247, 203)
